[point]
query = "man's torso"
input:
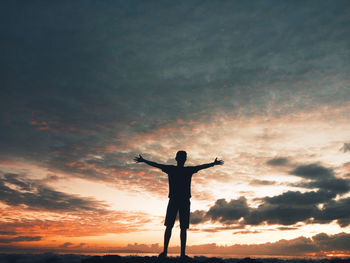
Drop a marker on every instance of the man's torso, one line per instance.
(179, 181)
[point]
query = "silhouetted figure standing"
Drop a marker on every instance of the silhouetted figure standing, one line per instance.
(179, 195)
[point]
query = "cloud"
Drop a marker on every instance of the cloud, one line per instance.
(261, 182)
(297, 198)
(218, 228)
(198, 216)
(129, 81)
(82, 99)
(20, 239)
(284, 228)
(345, 148)
(226, 212)
(8, 233)
(279, 214)
(222, 211)
(279, 161)
(65, 245)
(332, 185)
(337, 242)
(15, 191)
(289, 207)
(318, 245)
(335, 210)
(286, 209)
(322, 178)
(312, 171)
(81, 223)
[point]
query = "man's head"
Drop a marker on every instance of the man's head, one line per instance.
(181, 157)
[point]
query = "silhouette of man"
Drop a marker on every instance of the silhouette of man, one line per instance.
(179, 178)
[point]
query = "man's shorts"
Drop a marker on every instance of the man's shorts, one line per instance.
(183, 206)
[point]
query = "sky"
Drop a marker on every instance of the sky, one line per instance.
(88, 85)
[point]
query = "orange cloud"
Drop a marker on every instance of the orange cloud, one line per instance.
(25, 222)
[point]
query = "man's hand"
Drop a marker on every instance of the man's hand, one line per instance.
(217, 162)
(139, 159)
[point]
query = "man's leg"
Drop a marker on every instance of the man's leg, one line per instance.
(167, 235)
(183, 237)
(184, 212)
(169, 223)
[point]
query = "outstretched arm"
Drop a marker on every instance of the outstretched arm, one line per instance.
(207, 165)
(140, 159)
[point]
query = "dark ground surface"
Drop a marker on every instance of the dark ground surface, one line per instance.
(54, 258)
(117, 259)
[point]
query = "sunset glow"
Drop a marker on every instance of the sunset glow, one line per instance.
(264, 86)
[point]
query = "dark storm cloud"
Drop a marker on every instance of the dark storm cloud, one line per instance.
(312, 171)
(279, 214)
(78, 76)
(322, 178)
(282, 214)
(15, 190)
(340, 241)
(222, 211)
(198, 216)
(333, 185)
(280, 161)
(300, 199)
(20, 239)
(338, 210)
(226, 212)
(290, 207)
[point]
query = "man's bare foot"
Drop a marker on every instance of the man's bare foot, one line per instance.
(162, 255)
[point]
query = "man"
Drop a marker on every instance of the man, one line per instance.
(179, 178)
